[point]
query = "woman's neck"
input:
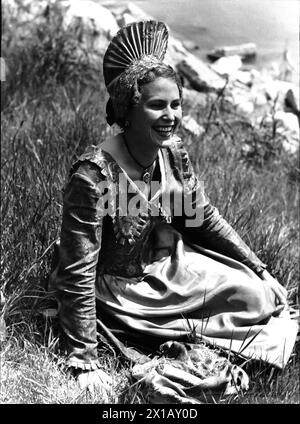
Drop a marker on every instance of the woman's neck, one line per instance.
(143, 155)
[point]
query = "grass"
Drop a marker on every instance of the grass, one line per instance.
(53, 107)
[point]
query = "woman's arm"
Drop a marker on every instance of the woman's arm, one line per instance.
(214, 232)
(74, 283)
(217, 234)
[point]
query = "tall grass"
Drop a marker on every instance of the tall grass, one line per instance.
(53, 107)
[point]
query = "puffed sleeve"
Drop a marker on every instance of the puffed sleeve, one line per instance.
(74, 282)
(213, 231)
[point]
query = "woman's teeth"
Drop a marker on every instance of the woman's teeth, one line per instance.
(164, 131)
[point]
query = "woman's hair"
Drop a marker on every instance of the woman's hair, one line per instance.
(128, 91)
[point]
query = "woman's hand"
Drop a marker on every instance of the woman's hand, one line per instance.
(95, 380)
(279, 291)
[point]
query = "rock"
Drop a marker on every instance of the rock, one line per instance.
(90, 15)
(137, 12)
(290, 104)
(191, 125)
(245, 108)
(244, 77)
(199, 75)
(175, 52)
(227, 65)
(245, 51)
(276, 90)
(194, 100)
(248, 101)
(287, 125)
(190, 45)
(127, 19)
(93, 24)
(126, 12)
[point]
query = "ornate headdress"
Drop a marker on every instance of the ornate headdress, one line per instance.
(135, 49)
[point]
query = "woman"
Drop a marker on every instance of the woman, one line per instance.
(141, 247)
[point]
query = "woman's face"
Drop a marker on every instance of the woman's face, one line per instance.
(158, 114)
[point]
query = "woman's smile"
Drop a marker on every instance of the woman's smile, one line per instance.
(164, 131)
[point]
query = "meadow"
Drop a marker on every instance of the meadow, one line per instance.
(53, 103)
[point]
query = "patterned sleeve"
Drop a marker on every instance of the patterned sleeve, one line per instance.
(74, 282)
(213, 231)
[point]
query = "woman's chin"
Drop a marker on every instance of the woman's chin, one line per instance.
(170, 140)
(166, 141)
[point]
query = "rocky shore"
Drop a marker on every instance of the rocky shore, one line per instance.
(266, 97)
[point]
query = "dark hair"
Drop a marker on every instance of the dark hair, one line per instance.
(117, 109)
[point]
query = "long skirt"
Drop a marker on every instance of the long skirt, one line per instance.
(201, 293)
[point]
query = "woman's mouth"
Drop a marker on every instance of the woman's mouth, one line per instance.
(164, 131)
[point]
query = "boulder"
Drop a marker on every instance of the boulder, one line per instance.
(227, 65)
(190, 45)
(194, 100)
(126, 12)
(91, 15)
(244, 77)
(127, 19)
(137, 12)
(199, 75)
(192, 126)
(246, 51)
(287, 125)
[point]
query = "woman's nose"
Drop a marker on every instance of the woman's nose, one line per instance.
(169, 114)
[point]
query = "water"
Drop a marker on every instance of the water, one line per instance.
(272, 24)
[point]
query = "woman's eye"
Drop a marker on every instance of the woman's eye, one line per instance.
(161, 105)
(156, 105)
(176, 105)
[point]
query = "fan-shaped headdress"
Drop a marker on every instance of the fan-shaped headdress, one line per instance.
(139, 43)
(135, 49)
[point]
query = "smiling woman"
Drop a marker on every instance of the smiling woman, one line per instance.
(148, 275)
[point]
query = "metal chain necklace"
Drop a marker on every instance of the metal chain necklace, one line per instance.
(147, 171)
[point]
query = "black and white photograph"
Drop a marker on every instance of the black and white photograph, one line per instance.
(149, 206)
